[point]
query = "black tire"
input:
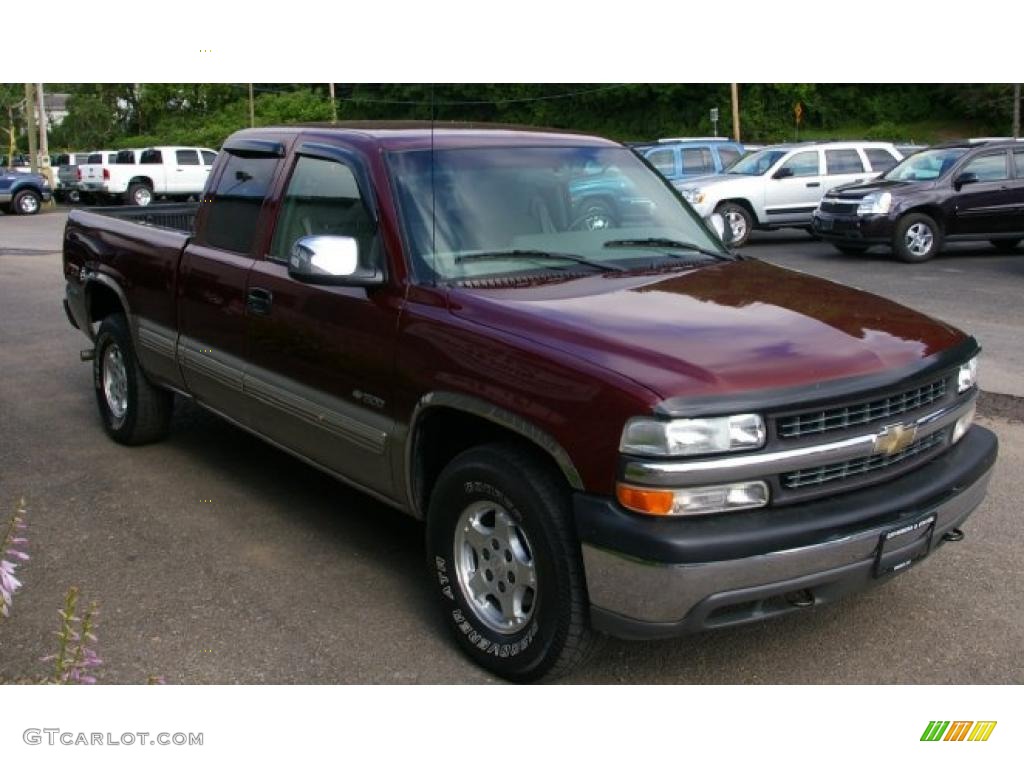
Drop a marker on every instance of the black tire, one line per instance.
(147, 409)
(1005, 246)
(86, 198)
(555, 635)
(741, 219)
(850, 249)
(26, 203)
(138, 194)
(916, 254)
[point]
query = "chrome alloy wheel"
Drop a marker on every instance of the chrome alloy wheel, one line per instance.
(115, 383)
(143, 196)
(738, 224)
(495, 567)
(28, 204)
(919, 238)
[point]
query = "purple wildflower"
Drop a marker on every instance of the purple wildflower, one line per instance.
(75, 659)
(8, 583)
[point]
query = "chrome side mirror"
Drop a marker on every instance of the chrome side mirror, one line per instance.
(330, 260)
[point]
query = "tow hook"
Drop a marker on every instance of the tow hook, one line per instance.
(87, 354)
(801, 598)
(953, 534)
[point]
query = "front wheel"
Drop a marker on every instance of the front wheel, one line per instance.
(506, 564)
(26, 203)
(133, 410)
(917, 238)
(739, 219)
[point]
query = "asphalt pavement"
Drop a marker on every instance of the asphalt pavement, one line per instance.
(215, 558)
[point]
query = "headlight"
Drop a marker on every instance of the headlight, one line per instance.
(968, 375)
(876, 202)
(692, 437)
(693, 501)
(693, 196)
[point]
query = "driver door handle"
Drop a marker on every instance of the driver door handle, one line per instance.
(813, 183)
(259, 301)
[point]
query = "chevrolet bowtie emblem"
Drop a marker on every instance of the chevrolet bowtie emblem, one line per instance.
(894, 438)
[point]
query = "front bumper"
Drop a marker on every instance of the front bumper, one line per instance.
(652, 577)
(850, 228)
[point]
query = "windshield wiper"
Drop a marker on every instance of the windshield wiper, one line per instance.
(531, 254)
(662, 242)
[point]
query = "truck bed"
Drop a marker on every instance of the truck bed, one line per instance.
(175, 216)
(134, 250)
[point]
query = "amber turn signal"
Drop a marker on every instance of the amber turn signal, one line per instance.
(647, 500)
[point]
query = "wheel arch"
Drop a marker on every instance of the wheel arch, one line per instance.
(141, 180)
(104, 297)
(931, 210)
(743, 202)
(446, 423)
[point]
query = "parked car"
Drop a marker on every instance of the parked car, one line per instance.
(781, 186)
(93, 175)
(967, 191)
(679, 159)
(139, 176)
(66, 175)
(628, 429)
(23, 193)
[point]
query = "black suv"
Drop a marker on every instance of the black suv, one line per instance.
(950, 192)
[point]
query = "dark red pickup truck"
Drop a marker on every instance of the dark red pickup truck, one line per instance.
(608, 421)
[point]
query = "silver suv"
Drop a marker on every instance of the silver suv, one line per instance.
(781, 185)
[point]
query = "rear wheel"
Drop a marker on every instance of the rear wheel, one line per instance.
(506, 564)
(139, 194)
(1005, 246)
(133, 410)
(26, 203)
(917, 238)
(739, 219)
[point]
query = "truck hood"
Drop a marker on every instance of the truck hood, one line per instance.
(699, 182)
(858, 190)
(724, 328)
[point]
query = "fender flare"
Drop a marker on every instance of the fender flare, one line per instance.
(490, 412)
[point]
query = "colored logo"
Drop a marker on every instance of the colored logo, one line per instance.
(895, 438)
(958, 730)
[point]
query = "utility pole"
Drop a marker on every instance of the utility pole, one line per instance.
(1016, 111)
(334, 105)
(30, 125)
(252, 109)
(44, 141)
(735, 88)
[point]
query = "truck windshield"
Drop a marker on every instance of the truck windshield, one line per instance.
(927, 165)
(756, 164)
(481, 212)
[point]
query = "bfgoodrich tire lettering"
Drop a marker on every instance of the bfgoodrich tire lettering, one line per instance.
(553, 635)
(133, 410)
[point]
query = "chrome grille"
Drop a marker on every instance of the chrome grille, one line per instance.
(802, 478)
(829, 419)
(835, 206)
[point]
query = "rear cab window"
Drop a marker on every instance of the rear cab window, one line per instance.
(151, 157)
(233, 207)
(96, 158)
(125, 157)
(209, 157)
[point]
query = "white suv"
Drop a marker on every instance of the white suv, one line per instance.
(781, 186)
(138, 176)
